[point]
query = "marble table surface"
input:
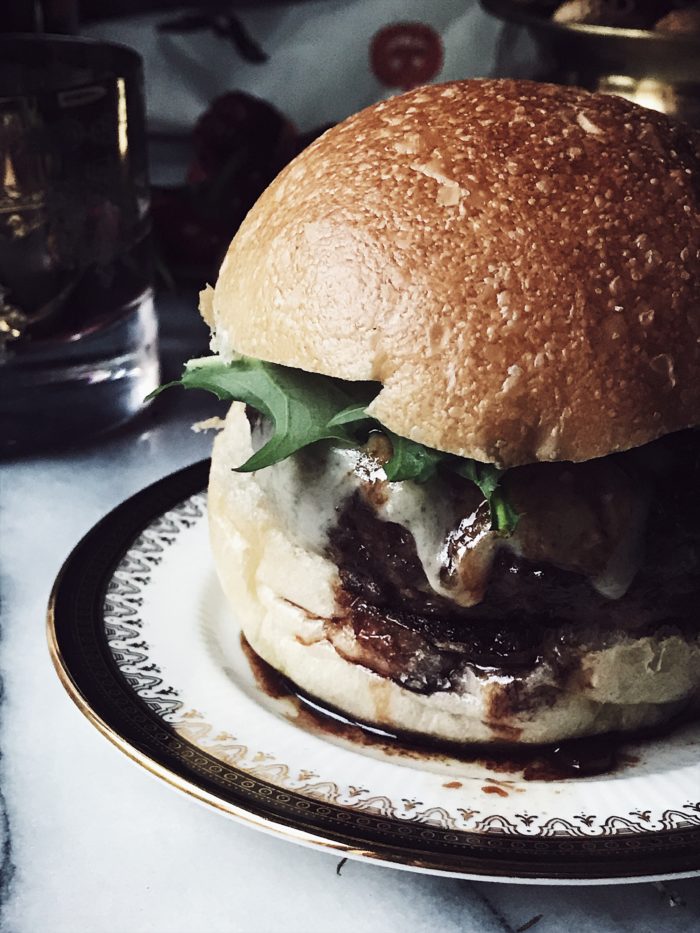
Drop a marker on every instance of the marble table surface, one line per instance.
(92, 844)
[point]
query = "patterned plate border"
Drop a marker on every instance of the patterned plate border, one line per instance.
(113, 701)
(124, 629)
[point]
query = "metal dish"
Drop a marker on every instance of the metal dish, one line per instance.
(654, 69)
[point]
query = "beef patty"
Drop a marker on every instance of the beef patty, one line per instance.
(393, 622)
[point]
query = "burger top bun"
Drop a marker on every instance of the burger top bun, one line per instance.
(518, 264)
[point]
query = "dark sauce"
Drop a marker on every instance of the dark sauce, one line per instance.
(574, 758)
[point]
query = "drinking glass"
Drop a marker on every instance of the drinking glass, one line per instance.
(78, 334)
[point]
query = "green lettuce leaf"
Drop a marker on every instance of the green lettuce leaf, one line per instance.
(308, 407)
(488, 478)
(410, 460)
(300, 405)
(504, 517)
(485, 475)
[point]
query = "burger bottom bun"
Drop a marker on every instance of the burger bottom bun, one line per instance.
(283, 596)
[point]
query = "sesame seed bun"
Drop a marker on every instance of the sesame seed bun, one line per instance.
(518, 264)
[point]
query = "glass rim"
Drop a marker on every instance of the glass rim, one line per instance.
(90, 59)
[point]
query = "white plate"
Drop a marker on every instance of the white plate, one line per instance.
(146, 645)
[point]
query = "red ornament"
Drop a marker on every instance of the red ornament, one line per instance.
(405, 55)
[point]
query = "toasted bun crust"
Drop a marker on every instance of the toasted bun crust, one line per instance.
(281, 595)
(518, 264)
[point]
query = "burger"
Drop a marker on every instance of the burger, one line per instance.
(457, 494)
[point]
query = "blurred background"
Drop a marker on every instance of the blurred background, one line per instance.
(235, 90)
(230, 92)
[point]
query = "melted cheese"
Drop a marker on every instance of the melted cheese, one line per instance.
(429, 517)
(626, 557)
(308, 495)
(309, 490)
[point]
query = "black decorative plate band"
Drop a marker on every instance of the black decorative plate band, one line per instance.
(88, 670)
